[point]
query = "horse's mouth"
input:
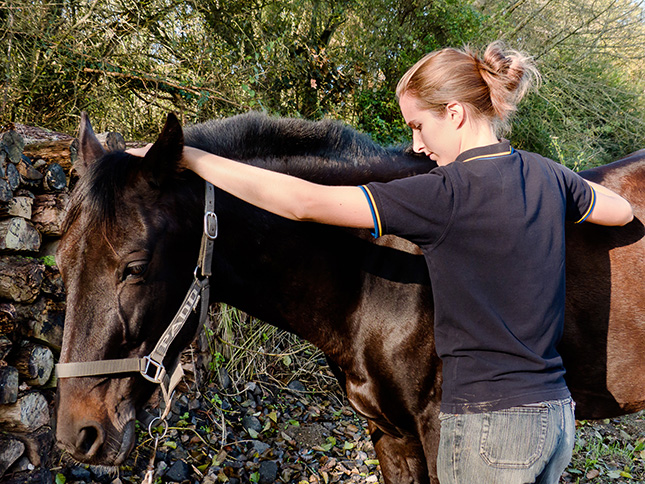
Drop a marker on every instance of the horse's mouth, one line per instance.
(127, 443)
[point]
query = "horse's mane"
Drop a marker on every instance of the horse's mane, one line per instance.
(327, 152)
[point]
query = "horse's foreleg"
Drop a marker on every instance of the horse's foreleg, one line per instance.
(402, 459)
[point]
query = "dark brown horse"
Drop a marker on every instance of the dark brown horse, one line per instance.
(132, 240)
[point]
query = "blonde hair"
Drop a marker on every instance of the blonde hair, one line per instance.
(489, 87)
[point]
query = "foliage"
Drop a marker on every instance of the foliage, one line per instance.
(129, 62)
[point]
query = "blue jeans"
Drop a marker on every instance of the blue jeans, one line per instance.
(519, 445)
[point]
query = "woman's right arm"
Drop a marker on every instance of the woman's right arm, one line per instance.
(282, 194)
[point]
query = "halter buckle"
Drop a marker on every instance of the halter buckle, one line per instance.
(159, 370)
(211, 225)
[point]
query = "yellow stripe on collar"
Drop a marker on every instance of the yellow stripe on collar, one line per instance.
(492, 155)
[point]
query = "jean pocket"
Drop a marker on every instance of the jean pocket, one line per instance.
(514, 438)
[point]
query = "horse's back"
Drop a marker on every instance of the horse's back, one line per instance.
(606, 301)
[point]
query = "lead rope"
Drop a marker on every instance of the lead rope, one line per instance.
(148, 478)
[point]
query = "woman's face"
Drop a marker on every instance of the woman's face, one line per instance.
(435, 135)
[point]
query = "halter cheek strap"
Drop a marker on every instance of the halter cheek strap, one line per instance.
(151, 367)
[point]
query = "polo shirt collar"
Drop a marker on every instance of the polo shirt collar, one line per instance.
(491, 151)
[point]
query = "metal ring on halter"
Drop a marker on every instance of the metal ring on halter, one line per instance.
(163, 422)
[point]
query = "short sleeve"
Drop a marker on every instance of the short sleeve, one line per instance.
(580, 196)
(417, 208)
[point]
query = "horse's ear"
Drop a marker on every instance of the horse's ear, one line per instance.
(89, 147)
(165, 154)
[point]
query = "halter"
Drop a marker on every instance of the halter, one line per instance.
(151, 367)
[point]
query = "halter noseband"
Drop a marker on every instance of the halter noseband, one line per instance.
(151, 366)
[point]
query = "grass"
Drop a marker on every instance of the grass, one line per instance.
(609, 451)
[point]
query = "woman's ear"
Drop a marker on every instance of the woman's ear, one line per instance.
(456, 112)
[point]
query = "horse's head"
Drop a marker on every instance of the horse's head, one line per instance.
(127, 258)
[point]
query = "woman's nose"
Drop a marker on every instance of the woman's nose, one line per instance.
(417, 144)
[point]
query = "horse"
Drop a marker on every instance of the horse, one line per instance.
(133, 232)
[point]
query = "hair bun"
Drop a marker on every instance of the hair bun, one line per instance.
(508, 73)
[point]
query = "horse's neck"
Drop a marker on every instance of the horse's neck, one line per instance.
(300, 277)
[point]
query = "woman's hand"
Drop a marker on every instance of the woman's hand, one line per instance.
(139, 151)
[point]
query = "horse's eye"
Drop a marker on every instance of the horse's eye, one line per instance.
(135, 270)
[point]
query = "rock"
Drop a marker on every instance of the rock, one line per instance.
(223, 378)
(180, 471)
(80, 474)
(296, 386)
(260, 447)
(251, 422)
(268, 472)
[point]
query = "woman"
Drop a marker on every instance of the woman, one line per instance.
(490, 222)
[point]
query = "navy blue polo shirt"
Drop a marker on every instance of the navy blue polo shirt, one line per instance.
(491, 228)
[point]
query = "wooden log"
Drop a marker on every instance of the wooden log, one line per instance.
(58, 151)
(38, 445)
(12, 176)
(9, 381)
(17, 206)
(48, 213)
(53, 286)
(5, 346)
(18, 235)
(34, 363)
(13, 144)
(10, 451)
(8, 315)
(20, 278)
(29, 175)
(6, 193)
(42, 321)
(29, 413)
(54, 178)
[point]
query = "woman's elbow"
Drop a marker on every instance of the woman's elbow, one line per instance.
(627, 214)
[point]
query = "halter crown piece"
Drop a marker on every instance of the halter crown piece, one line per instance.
(151, 367)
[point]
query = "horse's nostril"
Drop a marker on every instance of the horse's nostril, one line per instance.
(90, 439)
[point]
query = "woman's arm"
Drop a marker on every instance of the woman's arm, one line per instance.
(610, 208)
(282, 194)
